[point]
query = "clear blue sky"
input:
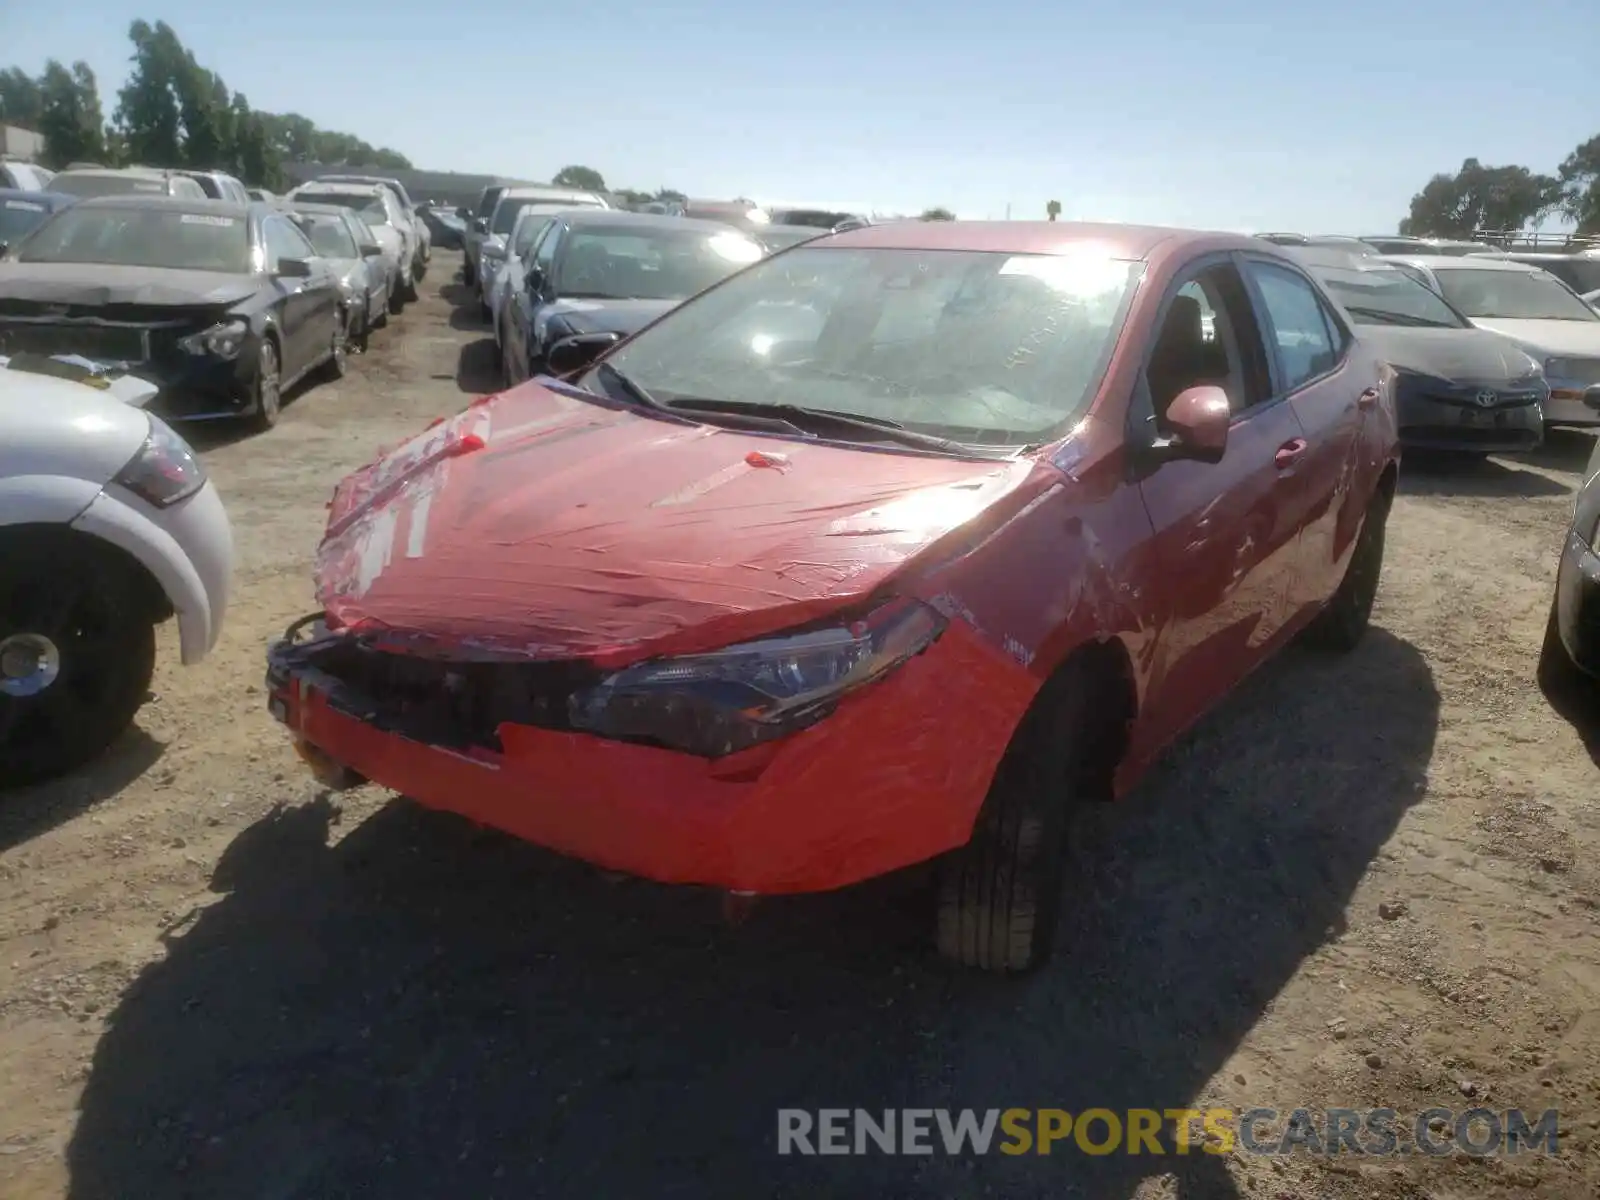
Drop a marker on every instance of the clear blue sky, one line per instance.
(1231, 114)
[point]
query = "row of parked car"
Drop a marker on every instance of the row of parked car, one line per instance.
(1491, 345)
(223, 298)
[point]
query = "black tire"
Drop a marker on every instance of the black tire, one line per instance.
(1558, 676)
(468, 275)
(338, 349)
(363, 335)
(267, 403)
(382, 319)
(485, 313)
(397, 299)
(1340, 627)
(408, 288)
(93, 611)
(999, 896)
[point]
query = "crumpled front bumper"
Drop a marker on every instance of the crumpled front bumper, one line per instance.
(894, 776)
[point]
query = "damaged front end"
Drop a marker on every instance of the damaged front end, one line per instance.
(709, 705)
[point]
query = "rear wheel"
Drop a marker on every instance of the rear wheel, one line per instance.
(77, 650)
(338, 349)
(268, 400)
(468, 275)
(1341, 626)
(999, 896)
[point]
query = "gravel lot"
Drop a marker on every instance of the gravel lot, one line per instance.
(1368, 882)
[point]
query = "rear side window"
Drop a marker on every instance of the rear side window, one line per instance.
(1307, 340)
(284, 241)
(490, 198)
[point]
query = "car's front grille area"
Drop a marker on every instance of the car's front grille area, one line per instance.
(1468, 399)
(442, 702)
(116, 343)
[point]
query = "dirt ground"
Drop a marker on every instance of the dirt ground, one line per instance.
(1370, 882)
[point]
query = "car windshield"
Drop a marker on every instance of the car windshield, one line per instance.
(634, 263)
(1512, 296)
(166, 236)
(369, 207)
(1388, 297)
(18, 218)
(490, 197)
(329, 234)
(979, 347)
(1580, 274)
(108, 185)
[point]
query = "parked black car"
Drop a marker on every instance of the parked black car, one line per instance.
(1573, 637)
(22, 211)
(1457, 387)
(222, 305)
(608, 274)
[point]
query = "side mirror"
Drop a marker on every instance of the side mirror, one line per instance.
(464, 212)
(480, 225)
(4, 246)
(534, 280)
(1199, 419)
(294, 268)
(371, 250)
(578, 351)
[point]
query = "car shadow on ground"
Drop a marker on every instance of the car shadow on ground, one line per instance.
(1563, 450)
(1434, 473)
(27, 812)
(478, 367)
(1572, 695)
(421, 1008)
(465, 313)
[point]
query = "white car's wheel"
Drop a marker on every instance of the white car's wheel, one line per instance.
(77, 650)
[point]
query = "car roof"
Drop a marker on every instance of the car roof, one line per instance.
(219, 208)
(1466, 262)
(1133, 242)
(612, 218)
(117, 172)
(289, 204)
(349, 187)
(526, 191)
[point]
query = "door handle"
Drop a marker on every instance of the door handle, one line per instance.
(1289, 453)
(1367, 398)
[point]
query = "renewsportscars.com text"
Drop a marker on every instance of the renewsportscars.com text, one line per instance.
(1380, 1131)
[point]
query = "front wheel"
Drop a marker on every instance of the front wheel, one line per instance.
(468, 275)
(1340, 627)
(77, 651)
(338, 349)
(999, 896)
(268, 400)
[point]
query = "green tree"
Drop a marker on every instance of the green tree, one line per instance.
(1052, 210)
(1480, 197)
(672, 196)
(20, 102)
(70, 117)
(585, 178)
(937, 214)
(255, 154)
(1580, 186)
(148, 115)
(207, 143)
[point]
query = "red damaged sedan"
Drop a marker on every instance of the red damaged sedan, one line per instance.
(898, 545)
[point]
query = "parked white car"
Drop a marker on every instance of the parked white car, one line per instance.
(108, 527)
(391, 226)
(1533, 308)
(492, 253)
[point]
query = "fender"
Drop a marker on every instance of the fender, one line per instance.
(198, 600)
(44, 499)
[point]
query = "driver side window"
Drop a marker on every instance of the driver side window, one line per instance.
(545, 256)
(1208, 336)
(284, 241)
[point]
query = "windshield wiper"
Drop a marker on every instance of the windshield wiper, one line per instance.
(1388, 317)
(800, 416)
(625, 384)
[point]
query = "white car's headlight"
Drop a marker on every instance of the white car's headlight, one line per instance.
(165, 470)
(728, 700)
(223, 340)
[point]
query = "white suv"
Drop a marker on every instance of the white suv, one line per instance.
(108, 526)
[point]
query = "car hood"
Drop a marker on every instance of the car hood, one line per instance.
(95, 284)
(1456, 355)
(1548, 337)
(607, 316)
(540, 525)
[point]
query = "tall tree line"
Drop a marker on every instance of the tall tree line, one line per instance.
(1509, 198)
(172, 112)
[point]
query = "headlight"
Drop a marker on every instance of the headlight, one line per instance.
(223, 340)
(729, 700)
(165, 470)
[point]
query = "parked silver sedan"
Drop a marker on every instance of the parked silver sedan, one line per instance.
(366, 279)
